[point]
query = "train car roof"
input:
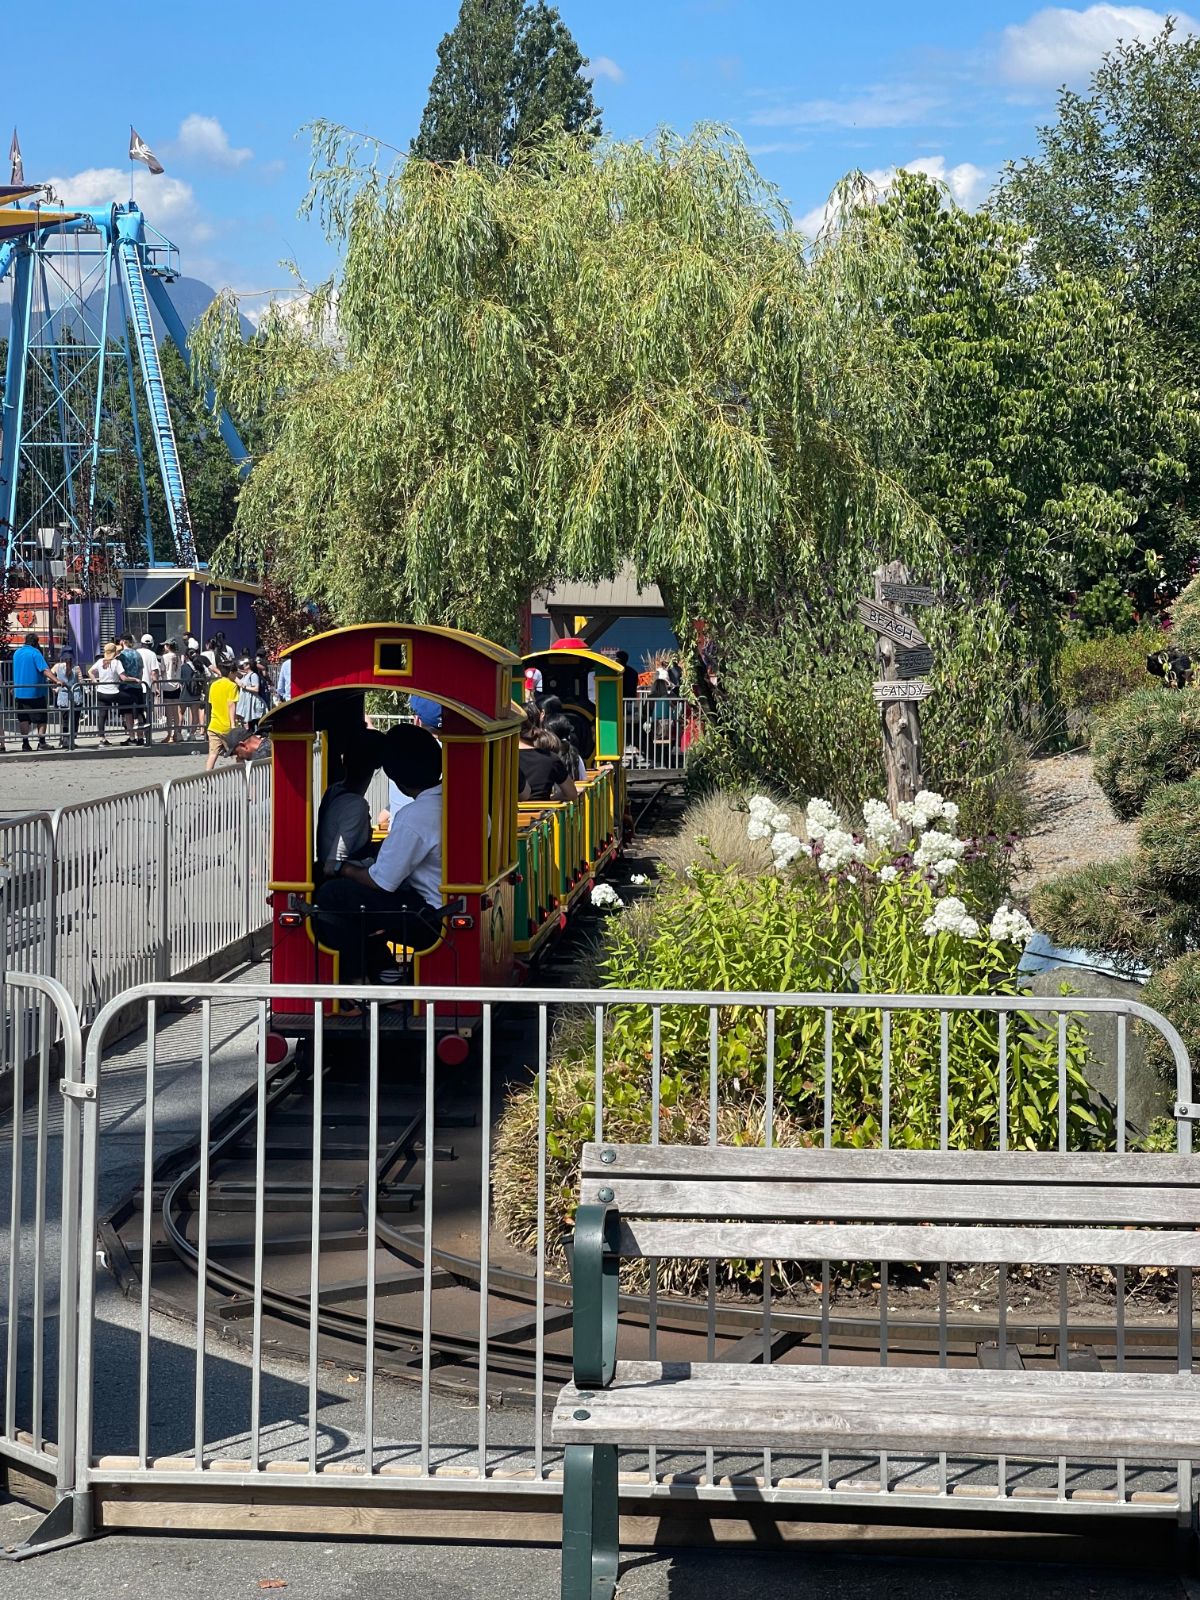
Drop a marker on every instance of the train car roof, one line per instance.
(464, 673)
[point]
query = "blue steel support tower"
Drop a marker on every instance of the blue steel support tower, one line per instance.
(83, 285)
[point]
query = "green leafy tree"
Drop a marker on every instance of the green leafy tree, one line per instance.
(506, 72)
(1057, 449)
(1112, 192)
(540, 371)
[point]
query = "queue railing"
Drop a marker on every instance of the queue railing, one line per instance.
(137, 886)
(354, 1228)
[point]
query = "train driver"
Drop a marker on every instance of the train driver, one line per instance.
(361, 908)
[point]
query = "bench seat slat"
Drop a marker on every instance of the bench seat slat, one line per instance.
(757, 1241)
(909, 1410)
(900, 1202)
(784, 1163)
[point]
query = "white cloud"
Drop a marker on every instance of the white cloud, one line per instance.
(166, 201)
(881, 105)
(605, 67)
(204, 139)
(966, 182)
(1061, 45)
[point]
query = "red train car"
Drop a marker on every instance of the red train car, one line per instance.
(472, 680)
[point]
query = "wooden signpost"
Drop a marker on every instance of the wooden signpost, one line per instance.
(914, 663)
(907, 594)
(904, 656)
(889, 623)
(890, 691)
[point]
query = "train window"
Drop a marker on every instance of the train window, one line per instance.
(393, 658)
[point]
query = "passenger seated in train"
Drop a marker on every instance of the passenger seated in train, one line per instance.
(584, 734)
(543, 773)
(562, 730)
(360, 909)
(344, 820)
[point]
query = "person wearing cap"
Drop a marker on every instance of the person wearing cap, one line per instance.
(68, 696)
(151, 674)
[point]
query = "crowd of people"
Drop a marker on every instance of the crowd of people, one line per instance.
(134, 689)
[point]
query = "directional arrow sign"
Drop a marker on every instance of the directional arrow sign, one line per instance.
(880, 620)
(890, 691)
(908, 594)
(914, 663)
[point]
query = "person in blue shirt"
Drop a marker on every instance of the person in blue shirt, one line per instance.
(31, 674)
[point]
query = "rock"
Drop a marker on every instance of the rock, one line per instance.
(1147, 1094)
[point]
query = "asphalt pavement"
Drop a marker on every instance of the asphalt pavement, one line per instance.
(51, 778)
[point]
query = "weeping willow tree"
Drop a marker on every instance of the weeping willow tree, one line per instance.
(591, 356)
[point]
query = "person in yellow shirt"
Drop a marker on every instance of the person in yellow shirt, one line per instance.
(222, 693)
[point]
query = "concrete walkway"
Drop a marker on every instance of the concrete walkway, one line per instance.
(845, 1567)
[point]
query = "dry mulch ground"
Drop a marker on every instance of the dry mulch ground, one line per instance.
(1072, 822)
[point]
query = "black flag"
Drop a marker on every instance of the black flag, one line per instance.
(18, 165)
(139, 150)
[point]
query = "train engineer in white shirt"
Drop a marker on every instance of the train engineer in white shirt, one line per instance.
(361, 907)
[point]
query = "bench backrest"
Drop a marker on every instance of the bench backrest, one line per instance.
(899, 1205)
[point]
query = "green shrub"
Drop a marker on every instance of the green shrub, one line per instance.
(1169, 839)
(852, 930)
(1097, 672)
(796, 711)
(1175, 991)
(1114, 907)
(1106, 608)
(1185, 619)
(1153, 737)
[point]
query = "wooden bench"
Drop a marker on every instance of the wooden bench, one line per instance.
(873, 1206)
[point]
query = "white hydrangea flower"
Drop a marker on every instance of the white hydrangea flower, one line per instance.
(937, 846)
(949, 812)
(879, 823)
(839, 849)
(1011, 924)
(766, 817)
(756, 828)
(820, 818)
(638, 879)
(605, 895)
(785, 847)
(888, 874)
(951, 916)
(946, 867)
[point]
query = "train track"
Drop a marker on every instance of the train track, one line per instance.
(398, 1255)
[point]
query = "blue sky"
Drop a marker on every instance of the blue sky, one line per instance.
(220, 91)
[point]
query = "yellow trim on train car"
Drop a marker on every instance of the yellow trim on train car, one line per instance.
(485, 647)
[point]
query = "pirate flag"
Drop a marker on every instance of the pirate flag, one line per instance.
(14, 156)
(139, 150)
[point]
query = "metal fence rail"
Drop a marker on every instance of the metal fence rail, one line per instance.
(40, 1253)
(163, 716)
(311, 1440)
(142, 885)
(657, 733)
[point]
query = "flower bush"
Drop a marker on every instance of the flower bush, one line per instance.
(854, 909)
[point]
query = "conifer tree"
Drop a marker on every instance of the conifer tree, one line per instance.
(506, 71)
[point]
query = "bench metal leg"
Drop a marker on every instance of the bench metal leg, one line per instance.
(589, 1544)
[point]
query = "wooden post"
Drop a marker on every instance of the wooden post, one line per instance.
(902, 753)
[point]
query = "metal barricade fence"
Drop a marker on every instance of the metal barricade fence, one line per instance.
(656, 733)
(115, 892)
(40, 1238)
(109, 910)
(332, 1233)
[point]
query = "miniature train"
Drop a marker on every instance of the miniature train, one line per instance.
(511, 871)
